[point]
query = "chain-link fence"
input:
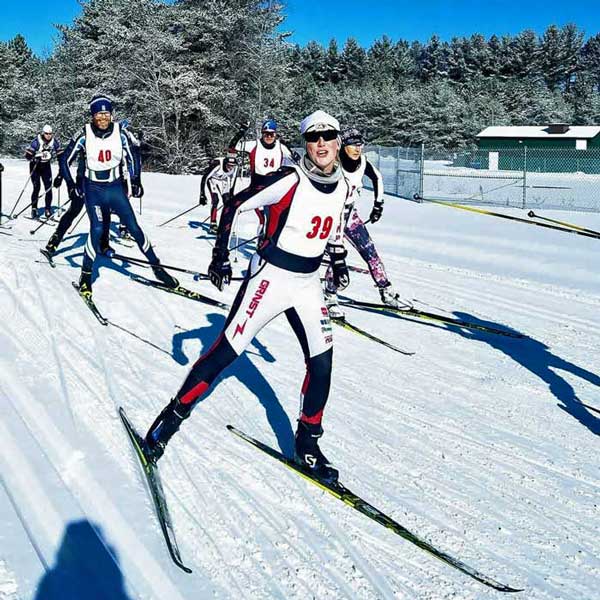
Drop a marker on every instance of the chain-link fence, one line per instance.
(562, 179)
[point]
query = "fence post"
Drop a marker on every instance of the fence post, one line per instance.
(422, 172)
(524, 176)
(397, 170)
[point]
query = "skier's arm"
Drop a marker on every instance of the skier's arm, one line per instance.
(239, 134)
(280, 183)
(204, 189)
(376, 180)
(73, 149)
(290, 157)
(32, 149)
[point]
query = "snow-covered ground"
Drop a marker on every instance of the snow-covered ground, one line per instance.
(479, 443)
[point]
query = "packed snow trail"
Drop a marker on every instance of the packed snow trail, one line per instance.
(479, 443)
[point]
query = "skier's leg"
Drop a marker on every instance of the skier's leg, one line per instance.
(310, 322)
(35, 192)
(97, 207)
(259, 299)
(47, 180)
(65, 222)
(357, 234)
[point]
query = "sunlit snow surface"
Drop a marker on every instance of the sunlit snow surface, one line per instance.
(478, 443)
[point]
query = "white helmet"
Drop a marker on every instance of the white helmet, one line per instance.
(47, 129)
(319, 121)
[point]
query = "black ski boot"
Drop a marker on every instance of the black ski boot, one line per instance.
(85, 284)
(34, 213)
(213, 227)
(52, 244)
(164, 277)
(162, 430)
(308, 454)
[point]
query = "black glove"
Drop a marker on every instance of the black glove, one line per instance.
(219, 270)
(75, 193)
(137, 190)
(243, 127)
(376, 212)
(341, 278)
(58, 181)
(203, 200)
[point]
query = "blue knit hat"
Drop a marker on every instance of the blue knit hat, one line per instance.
(100, 104)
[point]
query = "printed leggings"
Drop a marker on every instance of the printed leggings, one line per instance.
(356, 233)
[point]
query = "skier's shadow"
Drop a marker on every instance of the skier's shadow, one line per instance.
(537, 358)
(86, 567)
(245, 372)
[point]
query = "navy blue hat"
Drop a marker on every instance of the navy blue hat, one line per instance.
(100, 104)
(269, 125)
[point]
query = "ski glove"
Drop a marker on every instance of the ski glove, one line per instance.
(219, 270)
(137, 190)
(337, 255)
(58, 181)
(243, 127)
(203, 200)
(376, 212)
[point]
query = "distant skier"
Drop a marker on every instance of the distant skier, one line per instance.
(107, 170)
(217, 184)
(76, 201)
(42, 150)
(266, 155)
(305, 204)
(356, 166)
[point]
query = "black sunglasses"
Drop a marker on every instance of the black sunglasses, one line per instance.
(313, 136)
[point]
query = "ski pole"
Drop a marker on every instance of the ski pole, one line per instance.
(180, 214)
(45, 222)
(23, 191)
(145, 263)
(510, 218)
(532, 215)
(78, 221)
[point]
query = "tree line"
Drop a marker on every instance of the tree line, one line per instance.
(185, 72)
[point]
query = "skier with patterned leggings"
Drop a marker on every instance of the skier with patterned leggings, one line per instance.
(355, 166)
(304, 207)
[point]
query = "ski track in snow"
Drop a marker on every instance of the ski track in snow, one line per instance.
(477, 443)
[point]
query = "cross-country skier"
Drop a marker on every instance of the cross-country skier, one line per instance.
(266, 155)
(217, 184)
(76, 201)
(43, 148)
(106, 170)
(305, 205)
(356, 166)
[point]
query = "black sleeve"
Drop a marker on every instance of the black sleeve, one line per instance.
(375, 177)
(229, 209)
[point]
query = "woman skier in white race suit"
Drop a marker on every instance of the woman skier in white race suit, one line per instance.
(304, 206)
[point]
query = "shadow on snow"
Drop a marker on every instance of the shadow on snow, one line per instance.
(85, 567)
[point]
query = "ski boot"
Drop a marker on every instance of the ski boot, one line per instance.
(85, 284)
(52, 244)
(47, 213)
(333, 305)
(123, 233)
(309, 456)
(213, 227)
(161, 431)
(34, 213)
(391, 298)
(164, 277)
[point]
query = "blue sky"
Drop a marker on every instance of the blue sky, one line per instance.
(363, 19)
